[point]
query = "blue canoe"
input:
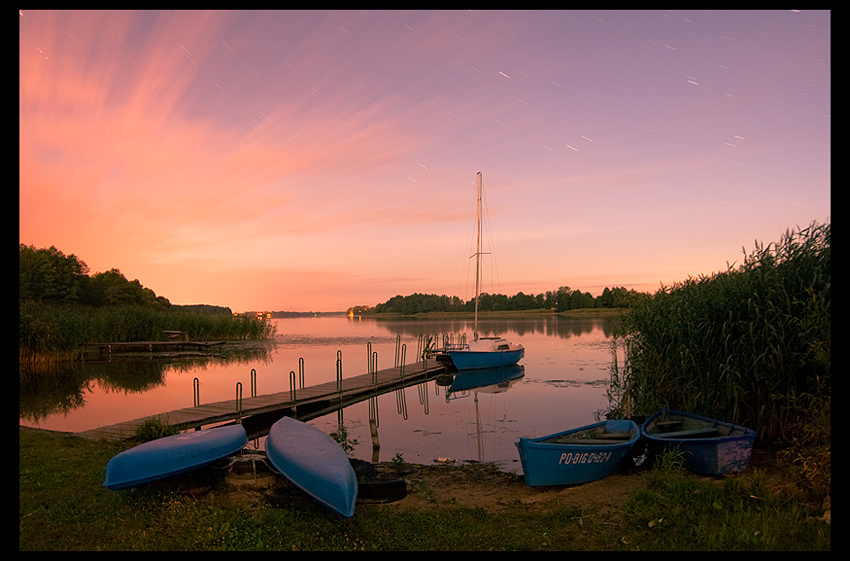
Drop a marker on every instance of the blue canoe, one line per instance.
(579, 455)
(313, 462)
(709, 446)
(172, 455)
(485, 352)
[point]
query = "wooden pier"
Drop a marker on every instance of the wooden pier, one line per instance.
(301, 403)
(108, 349)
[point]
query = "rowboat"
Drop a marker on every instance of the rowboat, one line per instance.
(578, 455)
(313, 462)
(483, 352)
(709, 446)
(172, 455)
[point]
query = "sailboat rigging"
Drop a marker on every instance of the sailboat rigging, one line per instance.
(483, 352)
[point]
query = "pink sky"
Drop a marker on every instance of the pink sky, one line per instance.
(313, 161)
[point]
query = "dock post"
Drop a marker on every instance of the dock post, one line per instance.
(292, 394)
(339, 373)
(401, 403)
(239, 402)
(376, 445)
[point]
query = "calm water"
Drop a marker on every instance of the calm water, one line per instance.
(566, 370)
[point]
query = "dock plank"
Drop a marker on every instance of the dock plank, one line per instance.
(352, 389)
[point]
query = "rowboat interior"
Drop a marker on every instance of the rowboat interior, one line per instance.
(596, 435)
(690, 428)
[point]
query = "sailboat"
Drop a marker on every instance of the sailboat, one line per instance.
(483, 352)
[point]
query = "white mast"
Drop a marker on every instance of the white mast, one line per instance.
(478, 259)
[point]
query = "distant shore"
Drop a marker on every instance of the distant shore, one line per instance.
(579, 312)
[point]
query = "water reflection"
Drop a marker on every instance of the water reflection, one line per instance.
(50, 391)
(563, 384)
(549, 325)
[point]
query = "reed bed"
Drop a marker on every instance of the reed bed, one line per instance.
(749, 345)
(51, 329)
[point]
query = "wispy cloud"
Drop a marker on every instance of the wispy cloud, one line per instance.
(174, 144)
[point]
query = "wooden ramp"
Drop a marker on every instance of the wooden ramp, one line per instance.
(302, 403)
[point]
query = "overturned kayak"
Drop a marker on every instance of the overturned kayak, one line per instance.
(313, 462)
(172, 455)
(577, 455)
(708, 446)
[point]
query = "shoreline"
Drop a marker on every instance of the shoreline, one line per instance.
(579, 312)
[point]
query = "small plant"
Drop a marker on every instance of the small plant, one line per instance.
(154, 428)
(341, 436)
(669, 461)
(398, 463)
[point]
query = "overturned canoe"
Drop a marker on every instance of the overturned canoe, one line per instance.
(172, 455)
(577, 455)
(313, 462)
(708, 446)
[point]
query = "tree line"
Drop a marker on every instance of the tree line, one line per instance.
(48, 275)
(559, 300)
(62, 308)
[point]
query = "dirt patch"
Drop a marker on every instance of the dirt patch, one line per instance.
(484, 486)
(470, 485)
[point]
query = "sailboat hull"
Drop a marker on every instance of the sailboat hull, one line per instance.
(480, 356)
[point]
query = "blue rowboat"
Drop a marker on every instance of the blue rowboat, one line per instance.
(709, 446)
(578, 455)
(172, 455)
(313, 462)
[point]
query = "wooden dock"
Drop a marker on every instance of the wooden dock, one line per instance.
(148, 346)
(302, 403)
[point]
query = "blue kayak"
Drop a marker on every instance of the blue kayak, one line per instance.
(578, 455)
(172, 455)
(708, 446)
(313, 462)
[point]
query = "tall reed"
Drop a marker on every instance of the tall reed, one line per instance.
(54, 328)
(741, 345)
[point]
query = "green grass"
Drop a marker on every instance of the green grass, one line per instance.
(64, 507)
(734, 513)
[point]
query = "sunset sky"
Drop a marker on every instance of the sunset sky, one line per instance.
(313, 161)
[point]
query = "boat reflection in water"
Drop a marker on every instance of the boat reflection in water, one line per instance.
(483, 380)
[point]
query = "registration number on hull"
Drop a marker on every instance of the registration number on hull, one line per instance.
(584, 458)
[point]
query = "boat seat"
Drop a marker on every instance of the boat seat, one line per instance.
(694, 433)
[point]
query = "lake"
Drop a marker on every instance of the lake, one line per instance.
(565, 375)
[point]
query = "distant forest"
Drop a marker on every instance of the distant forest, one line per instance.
(48, 275)
(559, 300)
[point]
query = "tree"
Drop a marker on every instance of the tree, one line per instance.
(522, 301)
(48, 274)
(111, 288)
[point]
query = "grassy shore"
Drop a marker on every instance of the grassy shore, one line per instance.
(63, 506)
